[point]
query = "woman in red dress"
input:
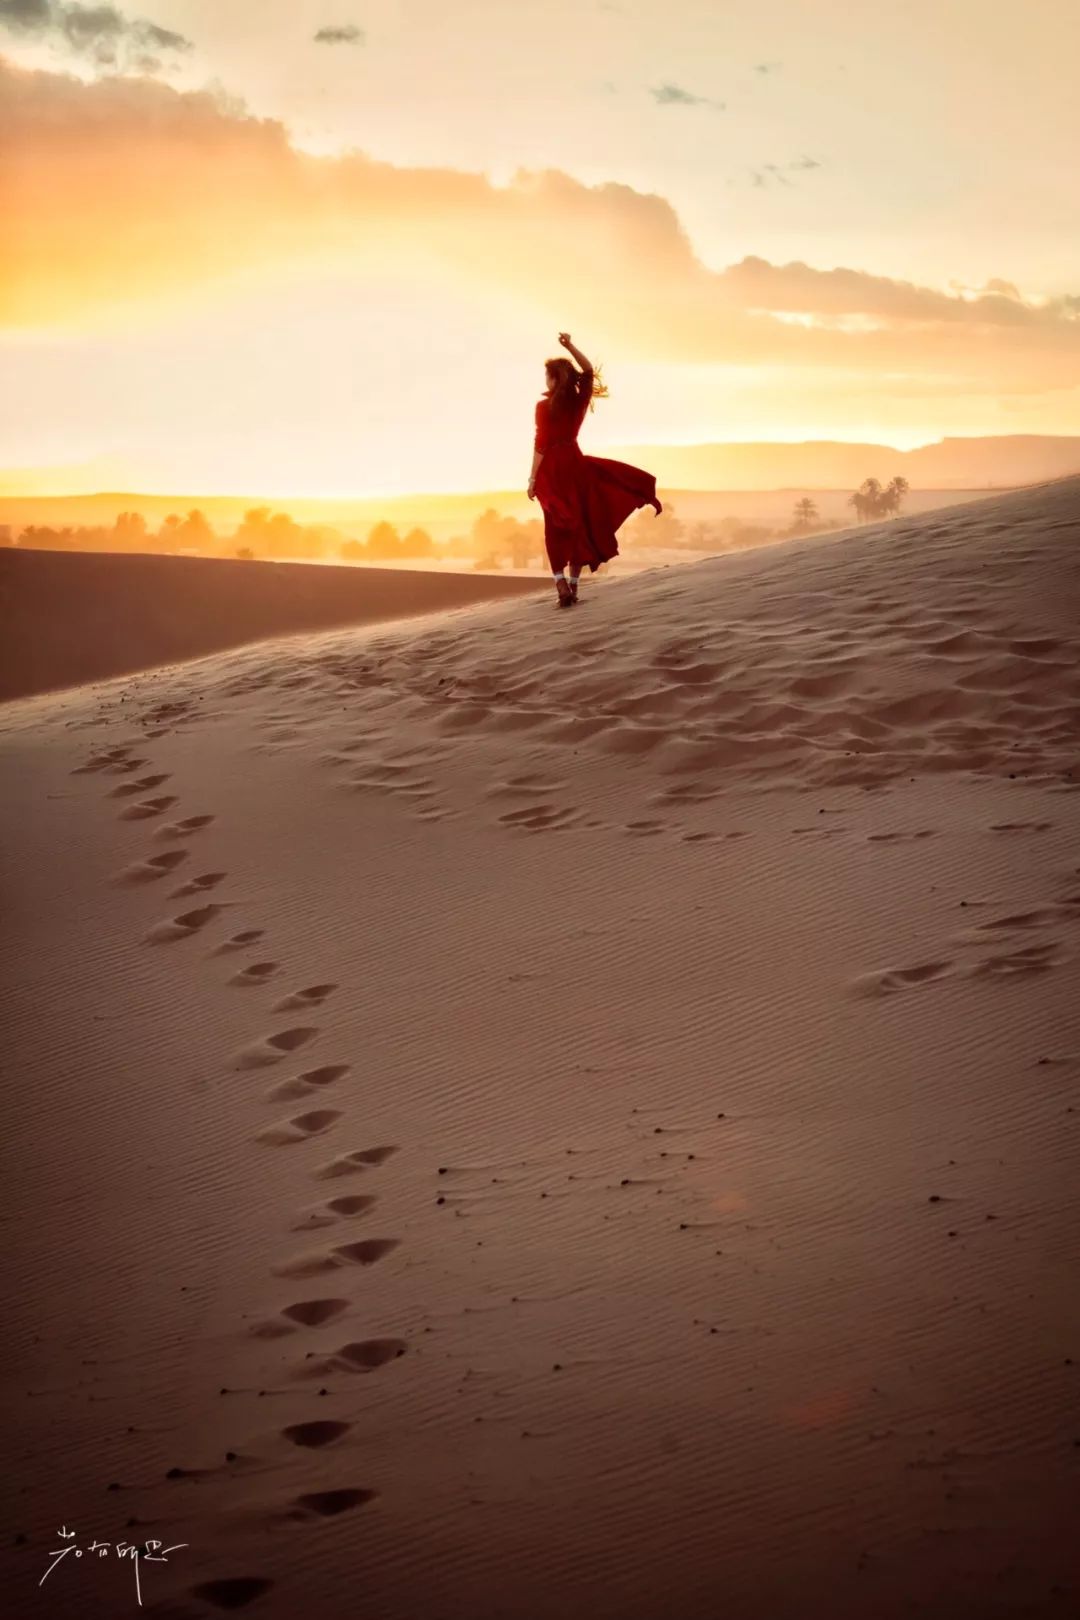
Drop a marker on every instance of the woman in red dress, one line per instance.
(584, 498)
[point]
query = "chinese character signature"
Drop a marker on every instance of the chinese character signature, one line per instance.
(151, 1552)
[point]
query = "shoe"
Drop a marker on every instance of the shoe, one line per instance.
(566, 597)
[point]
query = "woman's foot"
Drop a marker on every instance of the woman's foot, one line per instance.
(573, 590)
(566, 598)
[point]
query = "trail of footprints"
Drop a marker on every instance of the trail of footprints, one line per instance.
(364, 766)
(537, 807)
(336, 1261)
(527, 803)
(1004, 947)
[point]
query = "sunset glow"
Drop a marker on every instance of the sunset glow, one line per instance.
(258, 260)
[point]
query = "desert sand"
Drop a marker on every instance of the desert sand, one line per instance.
(524, 1113)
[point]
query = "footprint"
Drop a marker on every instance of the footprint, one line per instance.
(175, 709)
(274, 1048)
(314, 1312)
(145, 784)
(157, 866)
(1034, 959)
(1021, 826)
(685, 793)
(198, 885)
(299, 1128)
(363, 1356)
(182, 927)
(315, 1435)
(145, 809)
(312, 997)
(541, 818)
(111, 760)
(239, 942)
(302, 1085)
(1017, 920)
(369, 1354)
(353, 1204)
(234, 1593)
(899, 837)
(365, 1253)
(349, 1163)
(183, 829)
(327, 1504)
(523, 787)
(272, 1328)
(257, 973)
(334, 1210)
(888, 981)
(644, 829)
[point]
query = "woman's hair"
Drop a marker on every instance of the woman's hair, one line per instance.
(570, 383)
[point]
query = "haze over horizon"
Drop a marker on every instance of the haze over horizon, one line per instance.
(280, 250)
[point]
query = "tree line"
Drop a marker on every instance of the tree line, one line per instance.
(493, 540)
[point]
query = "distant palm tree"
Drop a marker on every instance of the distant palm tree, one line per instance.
(870, 500)
(866, 499)
(805, 514)
(894, 494)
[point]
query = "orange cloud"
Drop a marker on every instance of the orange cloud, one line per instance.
(126, 189)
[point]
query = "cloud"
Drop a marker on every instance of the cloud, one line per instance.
(26, 14)
(774, 173)
(673, 95)
(346, 34)
(125, 190)
(99, 33)
(769, 172)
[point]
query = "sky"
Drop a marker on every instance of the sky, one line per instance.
(322, 247)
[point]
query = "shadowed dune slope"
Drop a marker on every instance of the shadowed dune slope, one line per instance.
(72, 617)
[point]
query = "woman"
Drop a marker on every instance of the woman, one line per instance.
(584, 498)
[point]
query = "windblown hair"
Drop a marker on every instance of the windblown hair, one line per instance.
(570, 383)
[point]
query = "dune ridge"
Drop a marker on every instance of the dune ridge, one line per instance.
(811, 662)
(527, 1112)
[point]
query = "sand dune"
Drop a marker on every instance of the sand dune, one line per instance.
(536, 1112)
(74, 617)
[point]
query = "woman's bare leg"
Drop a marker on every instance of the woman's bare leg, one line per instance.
(556, 550)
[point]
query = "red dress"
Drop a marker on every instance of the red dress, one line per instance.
(584, 498)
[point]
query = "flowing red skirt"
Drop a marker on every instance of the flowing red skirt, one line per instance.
(584, 500)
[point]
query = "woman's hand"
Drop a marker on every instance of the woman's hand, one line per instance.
(564, 339)
(532, 489)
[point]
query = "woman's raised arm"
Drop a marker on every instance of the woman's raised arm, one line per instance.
(567, 343)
